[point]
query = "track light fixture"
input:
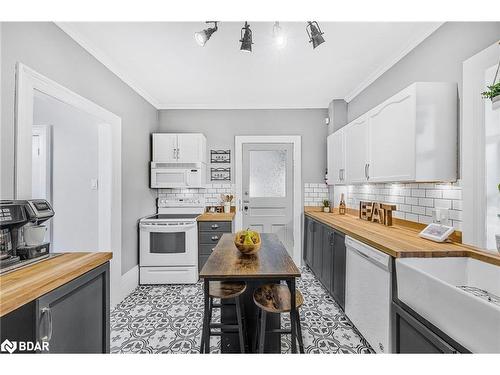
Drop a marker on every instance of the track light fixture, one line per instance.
(203, 36)
(278, 35)
(246, 38)
(315, 34)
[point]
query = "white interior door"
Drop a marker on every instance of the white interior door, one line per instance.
(267, 183)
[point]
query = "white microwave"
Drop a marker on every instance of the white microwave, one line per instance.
(177, 175)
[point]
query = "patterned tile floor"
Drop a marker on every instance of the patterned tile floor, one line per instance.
(168, 319)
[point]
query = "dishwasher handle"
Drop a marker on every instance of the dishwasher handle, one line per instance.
(369, 253)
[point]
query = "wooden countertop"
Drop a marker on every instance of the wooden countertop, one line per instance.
(28, 283)
(210, 216)
(399, 241)
(271, 261)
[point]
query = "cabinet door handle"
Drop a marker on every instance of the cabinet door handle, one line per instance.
(47, 315)
(215, 226)
(178, 153)
(340, 174)
(366, 174)
(343, 174)
(368, 171)
(215, 238)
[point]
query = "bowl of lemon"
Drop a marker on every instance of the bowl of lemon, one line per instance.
(247, 241)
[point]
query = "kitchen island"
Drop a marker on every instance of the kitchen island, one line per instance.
(271, 264)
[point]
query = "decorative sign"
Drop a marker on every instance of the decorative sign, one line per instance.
(376, 212)
(220, 174)
(220, 156)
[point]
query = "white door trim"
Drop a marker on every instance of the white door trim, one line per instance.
(473, 146)
(27, 81)
(296, 140)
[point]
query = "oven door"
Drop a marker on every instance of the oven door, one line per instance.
(168, 244)
(168, 178)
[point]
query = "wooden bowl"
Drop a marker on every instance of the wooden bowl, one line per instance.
(247, 249)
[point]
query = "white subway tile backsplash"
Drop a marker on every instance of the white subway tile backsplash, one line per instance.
(414, 201)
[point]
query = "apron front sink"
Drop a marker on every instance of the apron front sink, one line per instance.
(460, 296)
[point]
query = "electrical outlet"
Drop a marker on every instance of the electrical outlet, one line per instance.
(441, 216)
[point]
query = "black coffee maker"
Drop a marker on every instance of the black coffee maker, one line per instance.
(14, 215)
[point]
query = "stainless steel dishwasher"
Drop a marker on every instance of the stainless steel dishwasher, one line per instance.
(368, 293)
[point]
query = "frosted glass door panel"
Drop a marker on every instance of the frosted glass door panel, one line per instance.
(267, 174)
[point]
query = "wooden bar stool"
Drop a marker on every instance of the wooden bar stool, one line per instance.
(223, 290)
(275, 299)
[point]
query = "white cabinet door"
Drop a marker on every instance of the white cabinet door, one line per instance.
(165, 147)
(392, 139)
(336, 158)
(357, 150)
(190, 148)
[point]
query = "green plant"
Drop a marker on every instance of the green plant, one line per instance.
(498, 188)
(493, 90)
(326, 203)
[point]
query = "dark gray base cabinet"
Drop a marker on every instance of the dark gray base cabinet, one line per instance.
(209, 234)
(73, 318)
(411, 336)
(325, 254)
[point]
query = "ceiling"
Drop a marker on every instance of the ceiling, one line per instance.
(163, 63)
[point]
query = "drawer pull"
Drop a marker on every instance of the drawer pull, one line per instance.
(215, 226)
(215, 238)
(213, 248)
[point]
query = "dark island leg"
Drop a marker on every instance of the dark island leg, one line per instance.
(293, 314)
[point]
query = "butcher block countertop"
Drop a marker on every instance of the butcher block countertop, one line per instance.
(399, 241)
(210, 216)
(26, 284)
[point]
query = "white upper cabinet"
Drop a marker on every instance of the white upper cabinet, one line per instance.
(357, 150)
(336, 158)
(392, 139)
(411, 136)
(179, 148)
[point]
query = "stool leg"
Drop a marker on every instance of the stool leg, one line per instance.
(206, 322)
(299, 333)
(240, 324)
(262, 332)
(257, 331)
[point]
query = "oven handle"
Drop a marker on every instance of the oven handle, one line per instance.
(166, 228)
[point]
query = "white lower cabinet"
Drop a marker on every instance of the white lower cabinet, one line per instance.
(411, 136)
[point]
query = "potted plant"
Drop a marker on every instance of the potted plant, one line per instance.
(326, 205)
(493, 92)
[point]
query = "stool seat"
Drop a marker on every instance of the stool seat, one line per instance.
(275, 298)
(226, 289)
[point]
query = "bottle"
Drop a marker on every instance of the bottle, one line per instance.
(342, 205)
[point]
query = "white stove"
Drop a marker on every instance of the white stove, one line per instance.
(169, 243)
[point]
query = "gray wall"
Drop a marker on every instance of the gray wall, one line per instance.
(49, 51)
(438, 58)
(220, 127)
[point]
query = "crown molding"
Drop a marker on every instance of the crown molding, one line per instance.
(107, 62)
(392, 61)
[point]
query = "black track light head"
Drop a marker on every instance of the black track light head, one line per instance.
(246, 38)
(315, 34)
(203, 36)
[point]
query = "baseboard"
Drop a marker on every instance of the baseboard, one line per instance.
(130, 281)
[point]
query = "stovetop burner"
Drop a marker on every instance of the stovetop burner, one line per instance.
(172, 216)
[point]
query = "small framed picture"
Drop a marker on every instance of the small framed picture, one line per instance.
(436, 232)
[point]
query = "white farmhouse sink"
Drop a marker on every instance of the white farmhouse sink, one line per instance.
(460, 296)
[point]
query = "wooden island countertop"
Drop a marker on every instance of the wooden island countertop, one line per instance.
(213, 216)
(399, 241)
(26, 284)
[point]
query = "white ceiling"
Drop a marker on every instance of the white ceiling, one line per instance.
(163, 63)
